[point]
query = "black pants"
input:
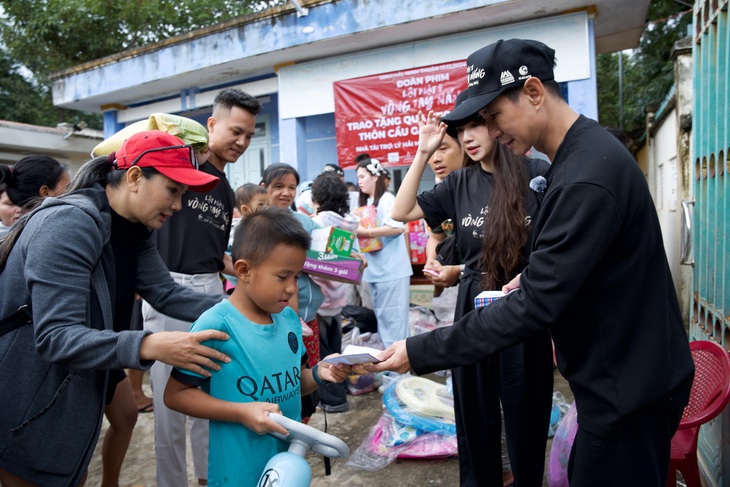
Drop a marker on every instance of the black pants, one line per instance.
(522, 377)
(639, 457)
(330, 341)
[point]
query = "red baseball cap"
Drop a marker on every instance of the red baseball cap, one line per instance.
(166, 153)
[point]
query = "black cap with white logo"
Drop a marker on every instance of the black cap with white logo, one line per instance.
(500, 66)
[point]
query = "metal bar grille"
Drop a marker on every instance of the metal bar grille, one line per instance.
(710, 310)
(710, 314)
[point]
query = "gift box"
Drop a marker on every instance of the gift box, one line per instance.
(417, 239)
(486, 298)
(368, 219)
(334, 267)
(332, 240)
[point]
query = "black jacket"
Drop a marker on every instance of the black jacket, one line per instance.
(598, 278)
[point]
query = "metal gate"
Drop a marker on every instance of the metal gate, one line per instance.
(710, 311)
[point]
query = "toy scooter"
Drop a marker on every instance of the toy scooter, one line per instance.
(290, 468)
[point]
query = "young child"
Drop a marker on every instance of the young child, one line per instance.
(250, 197)
(266, 350)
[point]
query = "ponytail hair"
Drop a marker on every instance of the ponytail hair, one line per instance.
(29, 175)
(101, 170)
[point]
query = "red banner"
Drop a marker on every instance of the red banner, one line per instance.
(378, 114)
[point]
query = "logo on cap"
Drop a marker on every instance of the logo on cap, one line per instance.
(506, 78)
(523, 70)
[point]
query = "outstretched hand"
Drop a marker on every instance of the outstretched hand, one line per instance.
(394, 358)
(333, 372)
(431, 132)
(184, 350)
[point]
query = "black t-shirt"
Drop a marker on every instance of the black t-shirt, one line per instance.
(463, 197)
(125, 239)
(598, 279)
(194, 240)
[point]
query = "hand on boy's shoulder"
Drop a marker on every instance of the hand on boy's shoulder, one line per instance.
(255, 416)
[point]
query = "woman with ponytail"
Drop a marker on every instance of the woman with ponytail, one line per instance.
(389, 269)
(69, 270)
(33, 178)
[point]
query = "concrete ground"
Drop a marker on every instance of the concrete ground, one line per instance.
(352, 427)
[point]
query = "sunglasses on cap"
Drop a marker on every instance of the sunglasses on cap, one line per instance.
(193, 158)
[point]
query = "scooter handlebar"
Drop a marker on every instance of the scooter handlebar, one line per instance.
(315, 440)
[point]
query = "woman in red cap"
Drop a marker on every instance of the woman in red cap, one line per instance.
(69, 271)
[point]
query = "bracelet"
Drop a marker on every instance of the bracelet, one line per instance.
(370, 232)
(315, 376)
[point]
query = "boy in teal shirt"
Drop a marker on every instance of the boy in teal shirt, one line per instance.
(265, 373)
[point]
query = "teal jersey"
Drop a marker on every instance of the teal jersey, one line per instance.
(265, 367)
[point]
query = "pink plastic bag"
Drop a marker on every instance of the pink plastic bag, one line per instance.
(557, 464)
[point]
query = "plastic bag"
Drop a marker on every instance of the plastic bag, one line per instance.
(366, 382)
(356, 337)
(444, 305)
(428, 406)
(557, 464)
(375, 454)
(420, 320)
(560, 407)
(190, 131)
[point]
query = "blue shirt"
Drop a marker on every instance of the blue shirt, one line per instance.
(265, 367)
(393, 261)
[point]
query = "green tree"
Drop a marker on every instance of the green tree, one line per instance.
(648, 72)
(20, 99)
(47, 36)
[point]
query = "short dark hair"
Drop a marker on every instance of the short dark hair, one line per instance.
(257, 234)
(330, 193)
(233, 97)
(246, 192)
(362, 157)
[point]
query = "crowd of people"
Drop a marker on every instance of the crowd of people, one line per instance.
(149, 260)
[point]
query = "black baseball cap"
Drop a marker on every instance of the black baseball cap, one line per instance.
(333, 168)
(451, 123)
(500, 66)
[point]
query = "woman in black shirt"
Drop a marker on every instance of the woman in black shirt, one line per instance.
(491, 207)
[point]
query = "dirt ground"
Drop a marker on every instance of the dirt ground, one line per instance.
(352, 427)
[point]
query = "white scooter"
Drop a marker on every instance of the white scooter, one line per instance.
(290, 468)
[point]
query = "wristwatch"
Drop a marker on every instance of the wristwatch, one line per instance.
(461, 270)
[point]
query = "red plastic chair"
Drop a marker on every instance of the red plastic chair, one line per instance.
(710, 394)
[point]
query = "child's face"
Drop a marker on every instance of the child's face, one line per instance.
(258, 201)
(273, 282)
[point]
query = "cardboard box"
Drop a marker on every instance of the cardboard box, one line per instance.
(333, 240)
(368, 219)
(334, 267)
(486, 298)
(417, 239)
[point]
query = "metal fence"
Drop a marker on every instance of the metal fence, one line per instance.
(710, 311)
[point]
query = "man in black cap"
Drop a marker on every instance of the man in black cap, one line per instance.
(597, 278)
